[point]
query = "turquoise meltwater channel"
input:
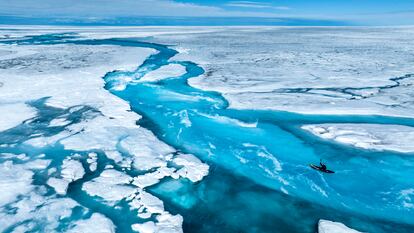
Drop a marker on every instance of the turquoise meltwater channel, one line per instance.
(259, 178)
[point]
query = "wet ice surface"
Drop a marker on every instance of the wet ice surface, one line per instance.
(134, 157)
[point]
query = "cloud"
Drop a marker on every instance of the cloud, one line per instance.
(117, 8)
(256, 5)
(104, 8)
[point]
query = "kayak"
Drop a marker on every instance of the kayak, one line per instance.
(320, 169)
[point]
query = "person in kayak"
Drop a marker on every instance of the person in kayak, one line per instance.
(323, 166)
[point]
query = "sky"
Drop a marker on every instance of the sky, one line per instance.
(352, 12)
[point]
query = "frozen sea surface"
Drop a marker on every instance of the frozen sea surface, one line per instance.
(113, 126)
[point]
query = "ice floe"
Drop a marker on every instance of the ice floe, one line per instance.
(368, 136)
(72, 170)
(193, 168)
(111, 185)
(92, 161)
(33, 209)
(166, 224)
(325, 226)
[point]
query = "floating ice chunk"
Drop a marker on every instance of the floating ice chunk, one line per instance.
(168, 223)
(165, 221)
(185, 120)
(111, 185)
(92, 160)
(110, 193)
(146, 227)
(72, 170)
(60, 185)
(167, 71)
(144, 201)
(151, 203)
(14, 114)
(368, 136)
(325, 226)
(15, 180)
(97, 223)
(193, 168)
(41, 213)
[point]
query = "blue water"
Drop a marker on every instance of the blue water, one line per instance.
(259, 178)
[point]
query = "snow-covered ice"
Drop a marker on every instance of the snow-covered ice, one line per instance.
(59, 185)
(15, 180)
(97, 223)
(72, 170)
(70, 76)
(92, 161)
(13, 114)
(325, 70)
(193, 168)
(368, 136)
(318, 71)
(111, 185)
